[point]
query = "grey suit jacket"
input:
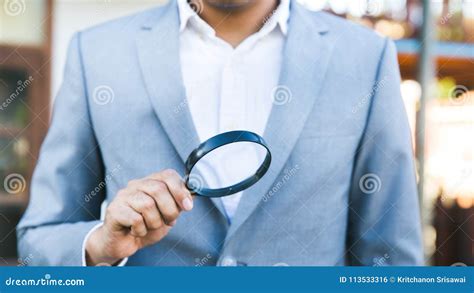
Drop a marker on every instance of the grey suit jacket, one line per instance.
(341, 188)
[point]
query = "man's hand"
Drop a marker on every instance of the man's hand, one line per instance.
(140, 215)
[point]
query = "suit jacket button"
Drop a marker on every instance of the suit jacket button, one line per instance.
(228, 262)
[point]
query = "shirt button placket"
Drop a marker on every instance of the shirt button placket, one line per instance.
(228, 111)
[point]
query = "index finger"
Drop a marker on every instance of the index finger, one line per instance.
(176, 187)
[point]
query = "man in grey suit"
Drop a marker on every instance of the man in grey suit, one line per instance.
(141, 92)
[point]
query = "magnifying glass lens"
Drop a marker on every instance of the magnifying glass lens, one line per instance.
(227, 165)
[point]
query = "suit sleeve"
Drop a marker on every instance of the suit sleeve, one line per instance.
(67, 187)
(384, 220)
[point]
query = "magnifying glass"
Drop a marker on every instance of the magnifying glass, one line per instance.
(227, 164)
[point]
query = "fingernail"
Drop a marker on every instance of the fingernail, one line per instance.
(173, 223)
(188, 204)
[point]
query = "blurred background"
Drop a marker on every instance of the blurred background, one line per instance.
(435, 41)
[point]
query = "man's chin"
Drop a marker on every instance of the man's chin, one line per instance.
(229, 4)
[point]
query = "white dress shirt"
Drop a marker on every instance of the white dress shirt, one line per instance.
(229, 88)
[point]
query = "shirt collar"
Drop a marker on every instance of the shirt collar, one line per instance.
(279, 17)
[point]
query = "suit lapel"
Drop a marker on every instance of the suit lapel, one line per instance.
(305, 61)
(158, 53)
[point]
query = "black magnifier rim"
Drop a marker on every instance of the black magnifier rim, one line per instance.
(220, 141)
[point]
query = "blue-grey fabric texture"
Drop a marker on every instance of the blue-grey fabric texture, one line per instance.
(341, 189)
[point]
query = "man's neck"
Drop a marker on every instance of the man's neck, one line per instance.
(234, 25)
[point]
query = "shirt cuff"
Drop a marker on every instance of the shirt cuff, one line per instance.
(84, 263)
